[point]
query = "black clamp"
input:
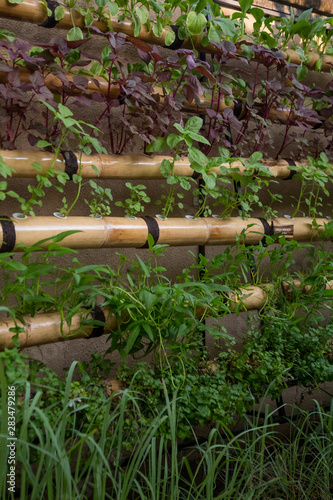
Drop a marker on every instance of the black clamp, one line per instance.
(291, 163)
(71, 163)
(98, 315)
(268, 229)
(8, 234)
(177, 43)
(51, 21)
(153, 229)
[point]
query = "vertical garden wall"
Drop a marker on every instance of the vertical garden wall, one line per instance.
(164, 172)
(166, 201)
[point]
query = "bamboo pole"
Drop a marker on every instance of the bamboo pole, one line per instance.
(126, 166)
(122, 232)
(280, 115)
(34, 11)
(48, 328)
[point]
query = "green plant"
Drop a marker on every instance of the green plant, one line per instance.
(187, 134)
(133, 205)
(69, 127)
(99, 205)
(316, 178)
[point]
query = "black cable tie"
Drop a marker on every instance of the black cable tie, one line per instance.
(8, 234)
(71, 164)
(268, 229)
(153, 229)
(177, 43)
(291, 163)
(98, 315)
(240, 109)
(51, 21)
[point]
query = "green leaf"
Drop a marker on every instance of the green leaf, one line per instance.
(173, 140)
(305, 15)
(43, 144)
(132, 338)
(59, 13)
(247, 51)
(64, 111)
(159, 144)
(113, 8)
(193, 124)
(227, 26)
(143, 267)
(214, 35)
(302, 71)
(75, 34)
(199, 138)
(158, 29)
(147, 298)
(195, 23)
(195, 155)
(319, 64)
(245, 5)
(142, 14)
(88, 19)
(169, 37)
(257, 156)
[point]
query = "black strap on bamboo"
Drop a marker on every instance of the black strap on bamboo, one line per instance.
(177, 43)
(268, 229)
(71, 164)
(51, 21)
(195, 175)
(318, 125)
(240, 109)
(291, 163)
(122, 96)
(8, 234)
(98, 315)
(153, 229)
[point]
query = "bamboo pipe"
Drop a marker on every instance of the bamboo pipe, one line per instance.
(280, 115)
(117, 232)
(35, 11)
(46, 328)
(126, 166)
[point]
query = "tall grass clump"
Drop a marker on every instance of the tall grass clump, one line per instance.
(60, 458)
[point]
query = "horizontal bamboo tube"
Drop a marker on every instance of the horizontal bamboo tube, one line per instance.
(117, 232)
(125, 166)
(46, 328)
(52, 82)
(35, 11)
